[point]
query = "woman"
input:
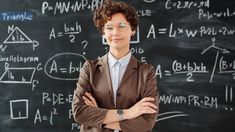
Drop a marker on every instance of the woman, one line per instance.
(116, 92)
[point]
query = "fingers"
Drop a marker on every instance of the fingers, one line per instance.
(147, 99)
(148, 110)
(87, 101)
(149, 104)
(91, 97)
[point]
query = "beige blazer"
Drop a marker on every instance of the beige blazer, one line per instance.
(138, 81)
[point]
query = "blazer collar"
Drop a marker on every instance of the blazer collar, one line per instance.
(104, 68)
(131, 68)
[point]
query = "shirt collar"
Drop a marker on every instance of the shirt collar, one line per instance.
(123, 61)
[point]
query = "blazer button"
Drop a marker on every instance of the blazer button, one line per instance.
(118, 94)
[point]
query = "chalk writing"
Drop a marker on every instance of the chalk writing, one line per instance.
(176, 31)
(227, 66)
(202, 30)
(65, 7)
(56, 99)
(190, 100)
(228, 97)
(144, 13)
(210, 15)
(16, 16)
(38, 118)
(18, 59)
(75, 126)
(71, 31)
(53, 67)
(170, 4)
(189, 69)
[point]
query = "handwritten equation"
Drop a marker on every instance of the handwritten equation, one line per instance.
(55, 67)
(71, 31)
(208, 102)
(65, 7)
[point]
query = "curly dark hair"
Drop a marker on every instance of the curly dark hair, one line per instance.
(110, 7)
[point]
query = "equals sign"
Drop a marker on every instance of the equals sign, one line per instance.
(60, 34)
(162, 30)
(167, 73)
(63, 70)
(44, 118)
(50, 8)
(48, 99)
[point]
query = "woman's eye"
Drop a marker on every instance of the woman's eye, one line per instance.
(122, 25)
(109, 27)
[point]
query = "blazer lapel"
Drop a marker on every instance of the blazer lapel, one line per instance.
(104, 69)
(131, 68)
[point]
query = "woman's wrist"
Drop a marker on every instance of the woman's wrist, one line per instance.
(126, 114)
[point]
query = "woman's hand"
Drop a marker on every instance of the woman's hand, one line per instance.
(144, 106)
(89, 100)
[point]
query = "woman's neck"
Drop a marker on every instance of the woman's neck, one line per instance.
(119, 54)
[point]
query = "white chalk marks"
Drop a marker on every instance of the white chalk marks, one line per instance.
(67, 6)
(19, 109)
(169, 115)
(228, 97)
(217, 56)
(64, 66)
(20, 75)
(17, 36)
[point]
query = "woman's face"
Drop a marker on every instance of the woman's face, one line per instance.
(117, 32)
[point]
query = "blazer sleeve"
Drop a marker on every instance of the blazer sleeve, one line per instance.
(146, 122)
(83, 114)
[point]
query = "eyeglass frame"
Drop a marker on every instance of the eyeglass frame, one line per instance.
(122, 26)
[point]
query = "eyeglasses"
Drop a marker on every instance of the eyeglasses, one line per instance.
(121, 27)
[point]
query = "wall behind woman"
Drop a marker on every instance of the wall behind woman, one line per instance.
(43, 45)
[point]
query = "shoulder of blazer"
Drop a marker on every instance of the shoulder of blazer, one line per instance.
(93, 64)
(145, 66)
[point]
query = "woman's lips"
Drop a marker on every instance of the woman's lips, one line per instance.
(116, 39)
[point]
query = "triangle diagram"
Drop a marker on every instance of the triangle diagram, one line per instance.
(17, 36)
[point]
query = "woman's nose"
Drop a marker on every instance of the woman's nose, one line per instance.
(116, 30)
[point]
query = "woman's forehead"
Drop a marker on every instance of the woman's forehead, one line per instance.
(117, 18)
